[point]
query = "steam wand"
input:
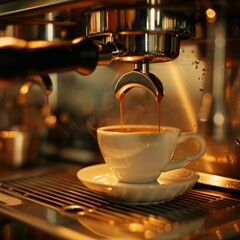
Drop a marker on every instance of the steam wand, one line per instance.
(45, 82)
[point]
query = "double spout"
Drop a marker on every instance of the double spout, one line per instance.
(140, 78)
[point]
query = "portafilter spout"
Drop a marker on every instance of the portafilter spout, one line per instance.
(143, 79)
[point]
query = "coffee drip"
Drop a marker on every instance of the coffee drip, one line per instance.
(143, 79)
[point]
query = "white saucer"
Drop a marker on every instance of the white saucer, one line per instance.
(100, 179)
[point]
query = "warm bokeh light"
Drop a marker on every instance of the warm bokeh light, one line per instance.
(211, 15)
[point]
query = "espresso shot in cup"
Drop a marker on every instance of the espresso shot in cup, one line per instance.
(140, 153)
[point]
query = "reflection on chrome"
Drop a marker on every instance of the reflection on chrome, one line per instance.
(148, 227)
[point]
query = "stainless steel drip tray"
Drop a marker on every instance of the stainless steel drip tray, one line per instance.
(52, 200)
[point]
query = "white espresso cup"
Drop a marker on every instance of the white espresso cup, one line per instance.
(139, 153)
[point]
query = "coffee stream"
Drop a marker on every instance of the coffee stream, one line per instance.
(120, 99)
(159, 113)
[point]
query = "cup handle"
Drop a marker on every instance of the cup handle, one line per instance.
(189, 157)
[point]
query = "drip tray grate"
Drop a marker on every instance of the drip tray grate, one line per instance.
(58, 188)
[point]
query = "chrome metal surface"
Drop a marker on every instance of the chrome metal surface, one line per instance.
(54, 201)
(149, 32)
(219, 180)
(218, 118)
(143, 47)
(146, 17)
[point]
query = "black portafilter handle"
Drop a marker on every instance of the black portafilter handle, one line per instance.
(20, 58)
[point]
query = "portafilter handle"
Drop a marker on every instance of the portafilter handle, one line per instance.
(20, 58)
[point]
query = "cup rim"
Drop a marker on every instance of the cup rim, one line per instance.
(109, 127)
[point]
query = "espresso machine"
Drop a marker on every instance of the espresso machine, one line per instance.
(85, 54)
